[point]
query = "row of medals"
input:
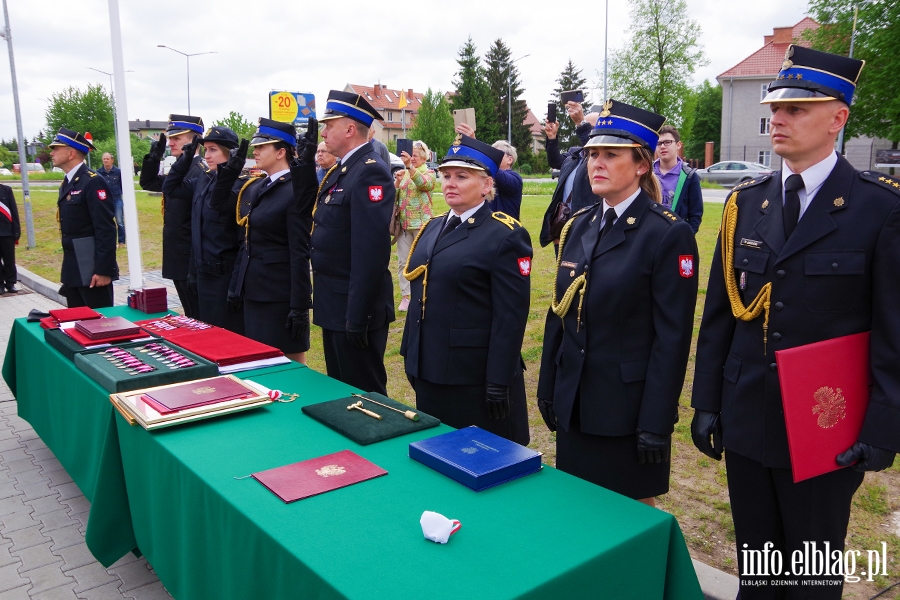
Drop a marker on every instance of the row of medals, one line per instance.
(132, 365)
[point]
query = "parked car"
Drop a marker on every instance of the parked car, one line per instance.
(56, 170)
(32, 168)
(5, 172)
(733, 172)
(434, 167)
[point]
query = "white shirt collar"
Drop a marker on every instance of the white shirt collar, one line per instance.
(813, 179)
(622, 206)
(74, 170)
(347, 156)
(275, 176)
(466, 214)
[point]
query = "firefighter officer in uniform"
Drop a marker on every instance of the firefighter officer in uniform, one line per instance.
(86, 210)
(350, 248)
(804, 255)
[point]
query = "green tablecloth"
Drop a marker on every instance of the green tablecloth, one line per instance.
(172, 493)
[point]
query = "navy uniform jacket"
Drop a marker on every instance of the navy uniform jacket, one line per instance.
(837, 275)
(215, 235)
(476, 304)
(629, 354)
(86, 209)
(350, 248)
(582, 194)
(9, 228)
(273, 260)
(176, 217)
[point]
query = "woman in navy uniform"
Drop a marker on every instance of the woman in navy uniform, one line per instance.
(271, 273)
(215, 235)
(618, 333)
(470, 274)
(176, 245)
(85, 208)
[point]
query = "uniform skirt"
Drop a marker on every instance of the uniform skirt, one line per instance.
(611, 462)
(264, 322)
(463, 405)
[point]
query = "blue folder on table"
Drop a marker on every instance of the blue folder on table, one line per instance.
(476, 458)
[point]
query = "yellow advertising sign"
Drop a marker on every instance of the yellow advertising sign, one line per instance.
(291, 107)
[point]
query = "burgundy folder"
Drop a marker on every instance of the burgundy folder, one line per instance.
(101, 329)
(198, 393)
(318, 475)
(825, 392)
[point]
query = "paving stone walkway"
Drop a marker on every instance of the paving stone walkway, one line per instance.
(43, 515)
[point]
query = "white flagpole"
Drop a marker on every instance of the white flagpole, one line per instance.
(123, 145)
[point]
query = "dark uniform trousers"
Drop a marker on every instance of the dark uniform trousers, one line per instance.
(176, 263)
(835, 275)
(352, 213)
(9, 233)
(215, 238)
(475, 313)
(86, 210)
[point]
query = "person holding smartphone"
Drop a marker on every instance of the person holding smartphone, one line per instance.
(618, 332)
(414, 186)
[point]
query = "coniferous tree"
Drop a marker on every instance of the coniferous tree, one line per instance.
(472, 91)
(569, 79)
(503, 81)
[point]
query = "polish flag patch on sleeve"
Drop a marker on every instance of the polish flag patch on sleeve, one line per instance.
(101, 194)
(375, 193)
(686, 265)
(525, 266)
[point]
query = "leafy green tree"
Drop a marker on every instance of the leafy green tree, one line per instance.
(5, 157)
(876, 105)
(472, 91)
(90, 110)
(238, 124)
(706, 122)
(569, 79)
(139, 147)
(653, 69)
(503, 81)
(434, 123)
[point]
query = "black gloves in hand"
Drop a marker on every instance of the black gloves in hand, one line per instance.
(307, 143)
(298, 323)
(357, 335)
(239, 156)
(546, 408)
(497, 399)
(705, 425)
(866, 457)
(158, 148)
(652, 447)
(191, 148)
(234, 302)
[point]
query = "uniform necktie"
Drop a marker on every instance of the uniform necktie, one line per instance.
(608, 221)
(452, 224)
(791, 203)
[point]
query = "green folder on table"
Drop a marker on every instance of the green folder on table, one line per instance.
(363, 428)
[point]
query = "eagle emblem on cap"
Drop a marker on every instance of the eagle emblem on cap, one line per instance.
(788, 63)
(607, 106)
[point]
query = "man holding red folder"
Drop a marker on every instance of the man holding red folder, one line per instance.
(805, 255)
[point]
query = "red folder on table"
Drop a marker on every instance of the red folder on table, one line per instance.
(197, 393)
(318, 475)
(825, 392)
(80, 313)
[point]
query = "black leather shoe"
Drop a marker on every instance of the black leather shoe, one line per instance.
(12, 289)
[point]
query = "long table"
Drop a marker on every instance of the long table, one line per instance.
(174, 494)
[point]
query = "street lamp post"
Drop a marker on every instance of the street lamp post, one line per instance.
(509, 96)
(112, 95)
(23, 157)
(188, 57)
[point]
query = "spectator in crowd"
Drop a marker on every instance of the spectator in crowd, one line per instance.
(680, 183)
(618, 333)
(805, 255)
(508, 183)
(379, 147)
(573, 190)
(10, 232)
(113, 176)
(463, 338)
(324, 161)
(414, 187)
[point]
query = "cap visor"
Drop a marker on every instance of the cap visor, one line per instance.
(175, 132)
(331, 116)
(611, 141)
(795, 94)
(462, 164)
(260, 141)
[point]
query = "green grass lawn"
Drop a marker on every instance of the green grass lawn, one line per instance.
(698, 495)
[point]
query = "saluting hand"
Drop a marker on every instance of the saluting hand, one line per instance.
(497, 399)
(307, 143)
(190, 149)
(158, 148)
(239, 157)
